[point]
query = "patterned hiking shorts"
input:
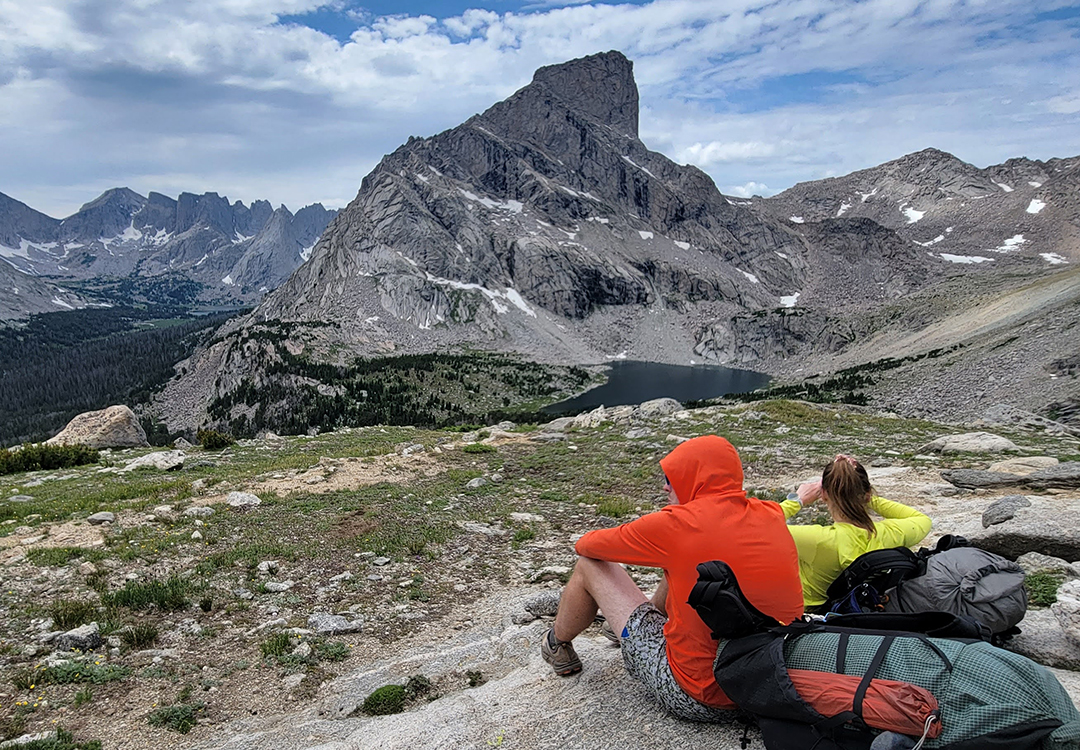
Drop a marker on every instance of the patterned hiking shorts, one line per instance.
(645, 657)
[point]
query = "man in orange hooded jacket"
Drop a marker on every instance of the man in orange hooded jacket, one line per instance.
(665, 644)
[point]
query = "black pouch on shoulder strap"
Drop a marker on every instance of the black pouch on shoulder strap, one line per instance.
(722, 605)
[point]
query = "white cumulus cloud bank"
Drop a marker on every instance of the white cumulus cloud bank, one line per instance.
(241, 97)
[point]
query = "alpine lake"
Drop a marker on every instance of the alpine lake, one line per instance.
(631, 382)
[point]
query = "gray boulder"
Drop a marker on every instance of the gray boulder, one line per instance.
(1037, 562)
(325, 623)
(103, 517)
(1050, 525)
(1003, 510)
(658, 407)
(970, 442)
(160, 460)
(114, 427)
(242, 499)
(1067, 611)
(1024, 465)
(591, 419)
(1062, 476)
(1043, 640)
(82, 638)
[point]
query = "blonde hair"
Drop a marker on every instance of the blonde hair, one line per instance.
(846, 486)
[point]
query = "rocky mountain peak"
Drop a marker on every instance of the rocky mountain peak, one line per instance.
(120, 197)
(600, 85)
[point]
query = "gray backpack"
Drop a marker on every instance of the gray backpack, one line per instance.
(966, 581)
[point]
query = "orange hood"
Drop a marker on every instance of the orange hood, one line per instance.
(704, 466)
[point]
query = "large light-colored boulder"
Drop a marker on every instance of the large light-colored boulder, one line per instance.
(1067, 611)
(591, 419)
(970, 442)
(1042, 639)
(1034, 523)
(1037, 562)
(115, 427)
(658, 407)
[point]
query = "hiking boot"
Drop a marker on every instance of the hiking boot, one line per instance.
(609, 632)
(561, 656)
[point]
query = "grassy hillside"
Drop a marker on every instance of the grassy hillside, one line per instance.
(382, 525)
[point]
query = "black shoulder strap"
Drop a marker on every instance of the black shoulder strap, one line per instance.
(933, 624)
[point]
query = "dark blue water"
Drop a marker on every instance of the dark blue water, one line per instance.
(634, 382)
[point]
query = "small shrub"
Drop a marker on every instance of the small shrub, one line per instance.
(278, 644)
(72, 614)
(54, 556)
(25, 679)
(140, 635)
(524, 534)
(557, 496)
(478, 448)
(206, 603)
(616, 507)
(74, 672)
(1043, 588)
(389, 699)
(417, 686)
(475, 678)
(212, 440)
(43, 456)
(169, 595)
(84, 696)
(179, 718)
(332, 651)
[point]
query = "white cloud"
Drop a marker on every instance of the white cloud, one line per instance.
(705, 155)
(216, 94)
(748, 190)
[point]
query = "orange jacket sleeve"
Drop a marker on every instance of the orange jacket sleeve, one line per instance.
(645, 541)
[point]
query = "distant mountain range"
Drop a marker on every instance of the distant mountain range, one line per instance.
(1021, 214)
(233, 253)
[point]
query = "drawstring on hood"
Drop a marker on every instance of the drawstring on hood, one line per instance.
(707, 465)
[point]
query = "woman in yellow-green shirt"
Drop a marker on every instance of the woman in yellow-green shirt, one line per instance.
(826, 551)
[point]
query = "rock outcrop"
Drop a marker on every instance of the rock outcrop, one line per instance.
(114, 427)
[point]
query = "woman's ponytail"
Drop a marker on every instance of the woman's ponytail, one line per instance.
(846, 486)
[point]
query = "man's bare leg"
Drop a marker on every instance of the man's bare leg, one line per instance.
(593, 584)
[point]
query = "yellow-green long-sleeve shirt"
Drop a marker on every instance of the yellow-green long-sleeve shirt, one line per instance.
(826, 551)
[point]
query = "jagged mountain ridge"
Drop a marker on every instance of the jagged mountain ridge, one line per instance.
(1021, 213)
(237, 252)
(545, 226)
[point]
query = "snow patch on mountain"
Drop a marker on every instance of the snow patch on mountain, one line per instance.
(965, 258)
(1013, 243)
(911, 214)
(1035, 206)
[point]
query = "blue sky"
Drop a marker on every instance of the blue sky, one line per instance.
(294, 101)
